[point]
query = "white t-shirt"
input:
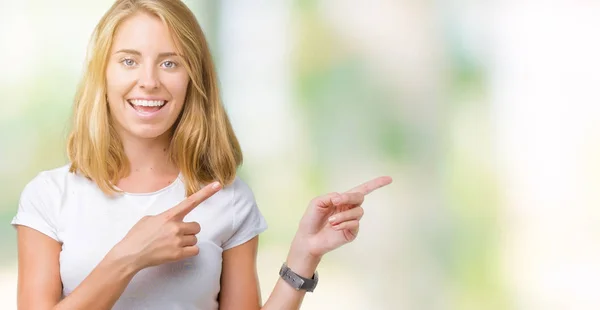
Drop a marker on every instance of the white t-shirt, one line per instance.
(73, 211)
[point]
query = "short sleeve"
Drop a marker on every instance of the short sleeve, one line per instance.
(248, 221)
(38, 208)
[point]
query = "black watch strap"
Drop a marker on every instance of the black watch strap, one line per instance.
(296, 281)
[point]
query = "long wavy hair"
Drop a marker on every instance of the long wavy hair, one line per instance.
(203, 145)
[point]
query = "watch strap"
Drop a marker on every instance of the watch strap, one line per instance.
(296, 281)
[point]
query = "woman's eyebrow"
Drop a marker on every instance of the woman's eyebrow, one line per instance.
(134, 52)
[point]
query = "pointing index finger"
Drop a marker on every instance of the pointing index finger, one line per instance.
(182, 209)
(372, 185)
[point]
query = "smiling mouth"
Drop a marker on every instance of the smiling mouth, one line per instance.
(147, 106)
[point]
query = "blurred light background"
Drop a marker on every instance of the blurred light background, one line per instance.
(485, 113)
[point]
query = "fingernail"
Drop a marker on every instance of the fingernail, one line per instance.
(332, 219)
(336, 200)
(216, 185)
(337, 227)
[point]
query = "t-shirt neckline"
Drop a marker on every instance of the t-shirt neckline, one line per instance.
(158, 191)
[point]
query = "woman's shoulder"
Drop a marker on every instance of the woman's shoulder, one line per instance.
(57, 178)
(241, 186)
(240, 194)
(232, 194)
(239, 189)
(56, 172)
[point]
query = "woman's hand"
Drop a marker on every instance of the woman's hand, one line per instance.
(163, 238)
(332, 220)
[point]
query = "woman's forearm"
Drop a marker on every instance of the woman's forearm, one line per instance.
(283, 296)
(103, 286)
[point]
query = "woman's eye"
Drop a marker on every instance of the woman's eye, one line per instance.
(169, 64)
(128, 62)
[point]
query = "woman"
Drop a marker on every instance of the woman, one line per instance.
(114, 229)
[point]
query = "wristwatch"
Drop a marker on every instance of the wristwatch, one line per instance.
(296, 281)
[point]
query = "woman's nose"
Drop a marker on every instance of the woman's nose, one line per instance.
(149, 78)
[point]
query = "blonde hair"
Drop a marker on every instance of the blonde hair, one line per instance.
(203, 146)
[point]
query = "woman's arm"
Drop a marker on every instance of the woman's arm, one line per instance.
(283, 295)
(240, 289)
(239, 281)
(39, 273)
(39, 284)
(330, 221)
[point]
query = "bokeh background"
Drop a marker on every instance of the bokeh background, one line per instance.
(485, 113)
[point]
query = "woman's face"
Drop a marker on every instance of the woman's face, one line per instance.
(146, 80)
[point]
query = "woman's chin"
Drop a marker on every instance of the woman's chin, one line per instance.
(148, 132)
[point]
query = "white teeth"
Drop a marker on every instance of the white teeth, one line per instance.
(148, 103)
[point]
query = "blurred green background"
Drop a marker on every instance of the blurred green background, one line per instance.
(473, 107)
(323, 95)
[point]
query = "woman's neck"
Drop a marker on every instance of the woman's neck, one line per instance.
(149, 156)
(151, 167)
